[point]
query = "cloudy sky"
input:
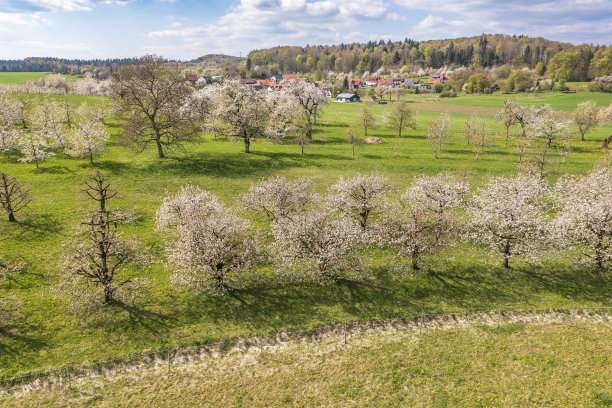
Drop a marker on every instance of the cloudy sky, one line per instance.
(186, 29)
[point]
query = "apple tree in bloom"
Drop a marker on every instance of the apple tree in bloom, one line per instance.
(507, 214)
(586, 117)
(308, 99)
(360, 198)
(33, 147)
(317, 243)
(278, 198)
(86, 138)
(211, 247)
(423, 219)
(9, 116)
(584, 218)
(240, 112)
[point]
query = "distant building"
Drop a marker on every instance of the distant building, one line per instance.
(438, 79)
(347, 97)
(191, 78)
(355, 83)
(373, 81)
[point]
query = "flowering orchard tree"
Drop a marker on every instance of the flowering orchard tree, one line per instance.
(515, 113)
(212, 246)
(507, 215)
(241, 112)
(585, 214)
(550, 129)
(14, 196)
(483, 136)
(99, 252)
(153, 96)
(33, 146)
(9, 116)
(353, 137)
(87, 138)
(469, 126)
(423, 218)
(439, 133)
(288, 120)
(508, 119)
(361, 198)
(400, 117)
(316, 242)
(47, 119)
(278, 198)
(586, 117)
(308, 99)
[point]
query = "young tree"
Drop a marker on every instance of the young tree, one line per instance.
(87, 138)
(32, 146)
(361, 198)
(469, 126)
(586, 117)
(309, 99)
(400, 117)
(278, 198)
(154, 96)
(439, 133)
(212, 246)
(316, 242)
(9, 115)
(483, 136)
(423, 219)
(242, 112)
(585, 214)
(549, 128)
(98, 252)
(288, 121)
(352, 137)
(366, 119)
(14, 196)
(507, 215)
(509, 120)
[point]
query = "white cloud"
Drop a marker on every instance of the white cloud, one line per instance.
(265, 23)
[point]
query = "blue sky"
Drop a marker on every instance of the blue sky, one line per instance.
(186, 29)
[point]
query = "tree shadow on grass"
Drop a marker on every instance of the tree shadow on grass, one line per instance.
(140, 317)
(220, 165)
(53, 170)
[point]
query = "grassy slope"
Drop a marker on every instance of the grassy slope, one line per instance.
(465, 278)
(517, 365)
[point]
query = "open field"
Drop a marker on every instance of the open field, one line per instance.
(20, 77)
(464, 278)
(545, 365)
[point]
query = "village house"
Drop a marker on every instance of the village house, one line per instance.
(438, 79)
(347, 97)
(355, 83)
(191, 78)
(373, 81)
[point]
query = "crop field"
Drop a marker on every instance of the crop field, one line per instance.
(465, 277)
(546, 365)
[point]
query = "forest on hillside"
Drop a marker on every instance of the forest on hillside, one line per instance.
(563, 60)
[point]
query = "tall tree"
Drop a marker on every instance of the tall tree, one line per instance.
(153, 95)
(400, 117)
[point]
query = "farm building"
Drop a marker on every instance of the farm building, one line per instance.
(347, 97)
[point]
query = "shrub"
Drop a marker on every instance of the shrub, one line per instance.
(601, 84)
(438, 88)
(448, 94)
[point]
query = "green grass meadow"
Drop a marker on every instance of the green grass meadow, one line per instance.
(20, 77)
(465, 277)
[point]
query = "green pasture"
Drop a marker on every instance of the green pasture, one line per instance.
(463, 278)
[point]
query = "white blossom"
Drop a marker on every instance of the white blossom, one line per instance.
(585, 214)
(507, 215)
(278, 198)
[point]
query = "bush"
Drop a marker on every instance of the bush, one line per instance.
(518, 81)
(601, 84)
(448, 94)
(438, 88)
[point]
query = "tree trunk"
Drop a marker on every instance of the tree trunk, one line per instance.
(91, 158)
(247, 146)
(506, 263)
(36, 163)
(415, 262)
(108, 294)
(302, 145)
(11, 217)
(507, 134)
(353, 149)
(160, 150)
